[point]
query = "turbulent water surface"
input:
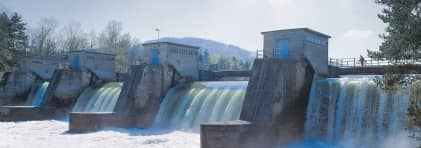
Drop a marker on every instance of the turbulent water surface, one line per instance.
(53, 134)
(354, 111)
(37, 95)
(342, 113)
(188, 105)
(101, 99)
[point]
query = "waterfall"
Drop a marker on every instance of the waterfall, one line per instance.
(102, 99)
(355, 109)
(37, 95)
(186, 106)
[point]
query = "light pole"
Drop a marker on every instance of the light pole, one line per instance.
(157, 31)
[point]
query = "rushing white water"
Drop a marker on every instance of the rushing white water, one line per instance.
(53, 134)
(355, 109)
(37, 95)
(188, 105)
(101, 99)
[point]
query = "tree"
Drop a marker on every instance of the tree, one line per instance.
(414, 111)
(204, 57)
(247, 65)
(18, 39)
(403, 33)
(235, 63)
(135, 52)
(74, 37)
(6, 53)
(92, 40)
(110, 37)
(44, 40)
(113, 41)
(401, 46)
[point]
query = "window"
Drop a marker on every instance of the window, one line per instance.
(316, 41)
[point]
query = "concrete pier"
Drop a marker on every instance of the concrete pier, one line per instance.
(28, 113)
(274, 107)
(228, 134)
(66, 86)
(138, 102)
(15, 86)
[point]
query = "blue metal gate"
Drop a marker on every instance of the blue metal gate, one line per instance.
(76, 62)
(155, 57)
(282, 49)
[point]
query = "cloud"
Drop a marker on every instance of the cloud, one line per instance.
(358, 34)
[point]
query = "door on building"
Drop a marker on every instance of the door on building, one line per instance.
(155, 57)
(281, 50)
(76, 62)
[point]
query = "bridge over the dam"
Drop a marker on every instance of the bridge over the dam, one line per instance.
(337, 67)
(369, 66)
(215, 75)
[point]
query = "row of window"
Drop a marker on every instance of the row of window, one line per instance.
(183, 52)
(101, 58)
(316, 41)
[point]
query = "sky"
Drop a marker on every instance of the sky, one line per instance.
(353, 24)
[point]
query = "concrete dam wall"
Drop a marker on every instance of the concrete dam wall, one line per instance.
(41, 99)
(274, 107)
(15, 87)
(137, 104)
(66, 86)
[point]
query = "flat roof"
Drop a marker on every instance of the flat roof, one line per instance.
(45, 57)
(297, 29)
(93, 52)
(178, 44)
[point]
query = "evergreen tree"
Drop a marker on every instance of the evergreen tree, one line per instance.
(402, 46)
(205, 57)
(246, 65)
(402, 39)
(6, 53)
(18, 39)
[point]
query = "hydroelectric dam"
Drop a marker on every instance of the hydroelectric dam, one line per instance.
(292, 97)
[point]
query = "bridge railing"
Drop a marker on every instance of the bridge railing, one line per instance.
(275, 52)
(219, 67)
(368, 62)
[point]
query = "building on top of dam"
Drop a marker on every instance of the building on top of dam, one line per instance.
(184, 58)
(101, 64)
(42, 66)
(299, 42)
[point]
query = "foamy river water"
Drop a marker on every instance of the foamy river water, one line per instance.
(53, 134)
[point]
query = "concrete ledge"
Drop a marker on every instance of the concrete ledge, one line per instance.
(27, 113)
(223, 134)
(82, 121)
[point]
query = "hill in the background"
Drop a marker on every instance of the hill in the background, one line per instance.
(213, 47)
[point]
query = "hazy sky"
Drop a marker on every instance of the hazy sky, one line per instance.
(353, 24)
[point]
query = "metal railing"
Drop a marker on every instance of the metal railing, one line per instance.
(345, 62)
(259, 54)
(276, 52)
(369, 62)
(219, 67)
(204, 66)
